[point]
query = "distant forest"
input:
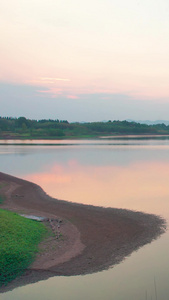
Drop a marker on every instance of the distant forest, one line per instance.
(12, 128)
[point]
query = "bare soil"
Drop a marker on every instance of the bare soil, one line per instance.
(89, 239)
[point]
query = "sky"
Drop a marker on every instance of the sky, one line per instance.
(84, 60)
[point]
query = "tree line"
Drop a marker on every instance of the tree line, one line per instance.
(47, 128)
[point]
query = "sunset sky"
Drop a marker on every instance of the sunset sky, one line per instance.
(84, 60)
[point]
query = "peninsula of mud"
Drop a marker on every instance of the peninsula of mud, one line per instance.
(91, 238)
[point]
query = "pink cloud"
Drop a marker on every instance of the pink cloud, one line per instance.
(52, 92)
(72, 97)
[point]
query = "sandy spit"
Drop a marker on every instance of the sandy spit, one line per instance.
(91, 238)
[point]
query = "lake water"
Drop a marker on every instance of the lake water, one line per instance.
(130, 173)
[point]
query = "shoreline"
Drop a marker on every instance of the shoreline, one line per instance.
(93, 238)
(85, 137)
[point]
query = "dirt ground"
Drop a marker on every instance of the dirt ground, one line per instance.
(86, 239)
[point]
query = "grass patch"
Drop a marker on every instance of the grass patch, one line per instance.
(19, 239)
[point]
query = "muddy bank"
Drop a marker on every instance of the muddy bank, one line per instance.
(92, 238)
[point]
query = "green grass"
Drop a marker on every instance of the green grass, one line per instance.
(19, 239)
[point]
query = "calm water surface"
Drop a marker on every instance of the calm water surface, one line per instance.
(130, 173)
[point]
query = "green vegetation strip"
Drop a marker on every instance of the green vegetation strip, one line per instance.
(22, 128)
(19, 239)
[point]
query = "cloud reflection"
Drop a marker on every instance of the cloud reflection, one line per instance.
(140, 186)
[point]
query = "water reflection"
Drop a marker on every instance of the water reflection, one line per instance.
(138, 186)
(131, 176)
(104, 140)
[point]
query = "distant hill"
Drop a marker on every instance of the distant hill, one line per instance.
(148, 122)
